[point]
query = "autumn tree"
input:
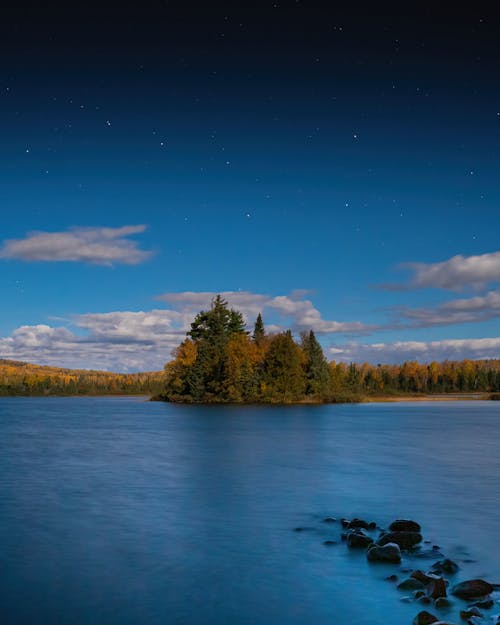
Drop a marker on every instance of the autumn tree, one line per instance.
(283, 375)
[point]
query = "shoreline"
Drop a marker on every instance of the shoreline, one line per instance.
(376, 399)
(422, 398)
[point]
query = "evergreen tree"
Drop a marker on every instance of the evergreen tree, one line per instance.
(316, 366)
(258, 330)
(211, 331)
(217, 323)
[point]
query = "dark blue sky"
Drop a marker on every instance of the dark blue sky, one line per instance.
(289, 152)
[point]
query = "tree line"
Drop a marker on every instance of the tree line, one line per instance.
(20, 378)
(219, 361)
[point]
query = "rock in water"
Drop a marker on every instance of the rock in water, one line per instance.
(442, 602)
(470, 612)
(404, 525)
(445, 566)
(486, 604)
(389, 552)
(358, 523)
(425, 618)
(410, 584)
(421, 576)
(406, 540)
(472, 589)
(437, 588)
(358, 540)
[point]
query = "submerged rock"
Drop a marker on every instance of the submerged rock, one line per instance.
(425, 618)
(330, 519)
(472, 589)
(406, 540)
(404, 525)
(442, 602)
(410, 584)
(389, 552)
(425, 554)
(467, 614)
(329, 543)
(485, 604)
(445, 566)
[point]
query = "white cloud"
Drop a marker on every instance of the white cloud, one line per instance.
(143, 340)
(134, 327)
(451, 349)
(293, 311)
(465, 310)
(42, 344)
(101, 246)
(455, 273)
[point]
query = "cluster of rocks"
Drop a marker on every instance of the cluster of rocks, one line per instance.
(430, 588)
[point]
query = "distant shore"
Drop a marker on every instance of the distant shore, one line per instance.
(420, 398)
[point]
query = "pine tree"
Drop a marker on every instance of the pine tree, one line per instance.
(316, 366)
(259, 331)
(217, 323)
(211, 331)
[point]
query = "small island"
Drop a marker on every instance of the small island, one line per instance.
(220, 361)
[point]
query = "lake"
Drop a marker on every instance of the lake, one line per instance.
(119, 511)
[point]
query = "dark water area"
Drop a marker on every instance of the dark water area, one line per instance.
(118, 511)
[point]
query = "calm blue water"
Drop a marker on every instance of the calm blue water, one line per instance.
(118, 511)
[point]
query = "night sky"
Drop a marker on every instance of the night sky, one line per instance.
(336, 169)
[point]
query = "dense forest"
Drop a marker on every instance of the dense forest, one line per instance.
(219, 361)
(20, 378)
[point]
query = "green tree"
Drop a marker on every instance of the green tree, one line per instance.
(283, 376)
(259, 331)
(316, 366)
(218, 323)
(211, 330)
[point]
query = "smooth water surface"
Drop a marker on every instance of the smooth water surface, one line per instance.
(119, 511)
